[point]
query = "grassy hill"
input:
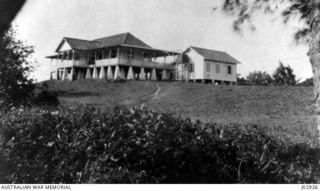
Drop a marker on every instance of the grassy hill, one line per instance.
(289, 107)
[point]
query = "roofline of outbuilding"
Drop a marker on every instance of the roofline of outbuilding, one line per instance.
(193, 48)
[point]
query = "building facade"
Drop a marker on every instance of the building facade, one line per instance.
(204, 65)
(122, 56)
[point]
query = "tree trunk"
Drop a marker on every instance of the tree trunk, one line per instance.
(314, 55)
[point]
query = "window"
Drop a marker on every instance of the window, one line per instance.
(191, 67)
(130, 55)
(229, 70)
(208, 67)
(113, 53)
(92, 56)
(217, 68)
(76, 56)
(145, 55)
(99, 55)
(185, 58)
(106, 53)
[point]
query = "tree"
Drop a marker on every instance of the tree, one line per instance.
(307, 11)
(259, 78)
(241, 80)
(284, 75)
(15, 87)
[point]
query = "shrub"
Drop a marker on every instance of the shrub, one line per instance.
(284, 75)
(89, 145)
(259, 78)
(241, 80)
(43, 97)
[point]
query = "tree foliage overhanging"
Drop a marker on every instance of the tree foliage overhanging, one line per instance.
(244, 12)
(15, 87)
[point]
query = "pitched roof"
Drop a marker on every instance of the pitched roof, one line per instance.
(214, 55)
(81, 44)
(124, 38)
(119, 39)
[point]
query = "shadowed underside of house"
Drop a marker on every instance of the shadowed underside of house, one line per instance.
(121, 56)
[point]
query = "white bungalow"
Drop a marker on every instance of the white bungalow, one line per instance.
(121, 56)
(199, 64)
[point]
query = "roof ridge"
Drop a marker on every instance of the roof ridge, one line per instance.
(76, 39)
(208, 49)
(210, 54)
(109, 36)
(125, 38)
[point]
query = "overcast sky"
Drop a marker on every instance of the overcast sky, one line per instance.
(165, 24)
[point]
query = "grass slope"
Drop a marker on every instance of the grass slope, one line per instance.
(289, 107)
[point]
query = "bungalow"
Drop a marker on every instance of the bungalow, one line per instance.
(124, 56)
(121, 56)
(199, 64)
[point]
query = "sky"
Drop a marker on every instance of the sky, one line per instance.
(163, 24)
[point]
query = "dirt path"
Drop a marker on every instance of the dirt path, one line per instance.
(156, 93)
(153, 96)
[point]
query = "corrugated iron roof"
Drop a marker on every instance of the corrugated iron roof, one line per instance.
(119, 39)
(81, 44)
(124, 38)
(214, 55)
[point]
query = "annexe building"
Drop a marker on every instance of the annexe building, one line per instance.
(204, 65)
(121, 56)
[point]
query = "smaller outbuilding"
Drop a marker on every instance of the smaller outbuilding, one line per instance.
(207, 66)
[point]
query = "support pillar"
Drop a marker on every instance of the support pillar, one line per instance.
(153, 74)
(130, 75)
(109, 73)
(142, 75)
(110, 53)
(88, 74)
(122, 72)
(57, 74)
(102, 73)
(95, 73)
(164, 75)
(64, 74)
(119, 73)
(79, 76)
(118, 55)
(71, 74)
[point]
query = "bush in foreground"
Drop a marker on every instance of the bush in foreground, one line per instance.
(87, 145)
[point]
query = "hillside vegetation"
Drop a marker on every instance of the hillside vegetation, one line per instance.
(270, 106)
(250, 134)
(89, 145)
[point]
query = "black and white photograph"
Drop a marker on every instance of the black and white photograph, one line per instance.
(169, 92)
